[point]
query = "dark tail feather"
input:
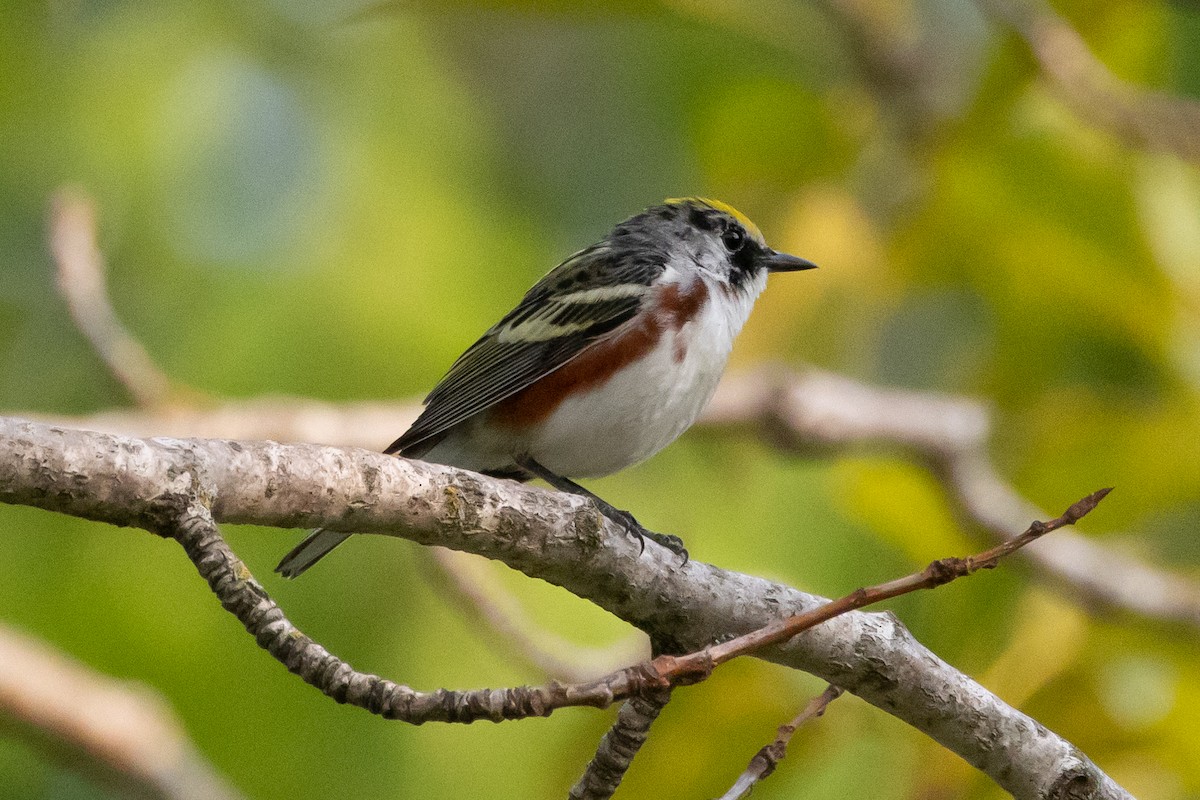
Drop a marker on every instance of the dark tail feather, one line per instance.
(314, 547)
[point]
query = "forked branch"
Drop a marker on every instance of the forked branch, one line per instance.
(169, 486)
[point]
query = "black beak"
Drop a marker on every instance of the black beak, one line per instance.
(782, 262)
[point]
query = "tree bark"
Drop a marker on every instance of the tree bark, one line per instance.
(559, 538)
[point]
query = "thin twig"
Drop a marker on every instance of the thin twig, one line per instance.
(81, 282)
(940, 572)
(767, 759)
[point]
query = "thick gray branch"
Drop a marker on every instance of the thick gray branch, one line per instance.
(805, 412)
(558, 538)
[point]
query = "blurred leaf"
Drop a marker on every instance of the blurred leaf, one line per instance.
(902, 504)
(1047, 641)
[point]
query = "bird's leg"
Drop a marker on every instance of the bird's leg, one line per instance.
(622, 518)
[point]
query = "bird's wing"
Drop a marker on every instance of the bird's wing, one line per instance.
(579, 302)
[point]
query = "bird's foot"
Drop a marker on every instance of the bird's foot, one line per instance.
(635, 528)
(669, 541)
(622, 518)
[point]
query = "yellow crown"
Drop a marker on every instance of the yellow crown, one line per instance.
(745, 222)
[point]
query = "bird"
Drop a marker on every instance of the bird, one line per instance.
(604, 362)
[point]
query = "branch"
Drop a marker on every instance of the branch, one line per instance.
(804, 413)
(819, 411)
(645, 687)
(1139, 117)
(620, 744)
(558, 538)
(767, 759)
(124, 735)
(81, 282)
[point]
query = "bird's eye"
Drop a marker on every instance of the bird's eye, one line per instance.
(733, 239)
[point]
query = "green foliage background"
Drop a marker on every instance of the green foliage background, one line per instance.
(333, 200)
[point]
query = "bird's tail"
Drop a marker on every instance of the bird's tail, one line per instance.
(314, 547)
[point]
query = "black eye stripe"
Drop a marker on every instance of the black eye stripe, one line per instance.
(745, 261)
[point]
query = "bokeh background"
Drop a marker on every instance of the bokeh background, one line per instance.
(333, 199)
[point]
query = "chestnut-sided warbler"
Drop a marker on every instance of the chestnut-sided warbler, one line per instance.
(604, 362)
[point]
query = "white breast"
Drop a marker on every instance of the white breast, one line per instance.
(647, 405)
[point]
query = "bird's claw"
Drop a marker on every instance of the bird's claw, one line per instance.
(669, 541)
(634, 528)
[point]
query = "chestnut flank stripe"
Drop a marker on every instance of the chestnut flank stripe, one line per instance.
(674, 308)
